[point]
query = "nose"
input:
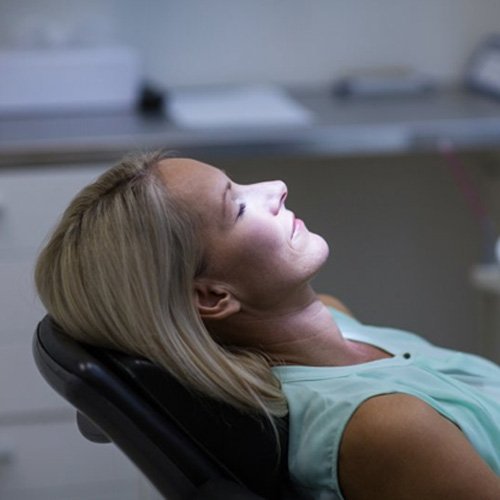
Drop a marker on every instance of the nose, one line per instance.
(269, 195)
(277, 195)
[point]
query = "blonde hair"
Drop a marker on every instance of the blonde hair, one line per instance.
(118, 272)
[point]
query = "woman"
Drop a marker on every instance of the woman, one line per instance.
(170, 259)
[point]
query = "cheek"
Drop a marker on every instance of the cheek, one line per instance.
(267, 239)
(260, 243)
(256, 248)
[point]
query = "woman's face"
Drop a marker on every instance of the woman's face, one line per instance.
(252, 242)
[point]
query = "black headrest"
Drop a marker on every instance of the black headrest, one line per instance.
(244, 444)
(224, 431)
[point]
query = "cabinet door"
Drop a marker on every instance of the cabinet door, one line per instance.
(42, 454)
(51, 461)
(32, 200)
(23, 391)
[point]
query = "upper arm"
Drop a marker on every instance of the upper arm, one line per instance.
(331, 301)
(398, 447)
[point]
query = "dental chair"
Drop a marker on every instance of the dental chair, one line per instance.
(188, 446)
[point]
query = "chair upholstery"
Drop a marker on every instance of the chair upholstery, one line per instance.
(188, 446)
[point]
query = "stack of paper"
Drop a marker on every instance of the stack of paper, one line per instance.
(244, 106)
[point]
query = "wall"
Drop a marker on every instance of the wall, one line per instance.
(285, 41)
(402, 239)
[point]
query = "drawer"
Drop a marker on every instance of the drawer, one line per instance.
(31, 201)
(53, 461)
(20, 309)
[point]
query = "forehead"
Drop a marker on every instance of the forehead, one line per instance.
(190, 178)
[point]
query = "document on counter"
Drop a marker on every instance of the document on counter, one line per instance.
(233, 106)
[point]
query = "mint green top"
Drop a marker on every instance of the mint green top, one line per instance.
(462, 387)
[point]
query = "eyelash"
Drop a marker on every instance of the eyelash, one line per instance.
(241, 210)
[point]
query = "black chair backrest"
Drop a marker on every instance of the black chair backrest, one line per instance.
(183, 442)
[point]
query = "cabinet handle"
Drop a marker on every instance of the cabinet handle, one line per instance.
(6, 454)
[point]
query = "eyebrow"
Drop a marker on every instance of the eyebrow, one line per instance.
(224, 199)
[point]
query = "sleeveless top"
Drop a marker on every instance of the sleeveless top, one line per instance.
(464, 388)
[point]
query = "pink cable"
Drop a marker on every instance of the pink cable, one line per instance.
(464, 182)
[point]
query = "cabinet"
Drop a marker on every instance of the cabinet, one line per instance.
(42, 454)
(486, 279)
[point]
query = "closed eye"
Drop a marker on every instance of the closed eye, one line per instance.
(241, 210)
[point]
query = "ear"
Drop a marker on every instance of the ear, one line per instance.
(214, 301)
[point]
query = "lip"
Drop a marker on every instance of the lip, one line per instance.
(296, 225)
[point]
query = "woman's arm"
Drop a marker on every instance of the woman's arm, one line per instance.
(398, 447)
(331, 301)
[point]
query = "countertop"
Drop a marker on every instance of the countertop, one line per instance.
(382, 125)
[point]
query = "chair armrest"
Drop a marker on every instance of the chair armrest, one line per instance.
(89, 430)
(215, 489)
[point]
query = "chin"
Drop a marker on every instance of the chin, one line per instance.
(323, 247)
(320, 254)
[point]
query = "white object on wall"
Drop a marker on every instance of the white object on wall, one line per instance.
(48, 80)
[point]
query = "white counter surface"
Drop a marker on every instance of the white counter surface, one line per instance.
(383, 125)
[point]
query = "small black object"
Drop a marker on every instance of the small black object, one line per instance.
(152, 100)
(407, 355)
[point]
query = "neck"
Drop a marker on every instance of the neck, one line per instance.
(299, 331)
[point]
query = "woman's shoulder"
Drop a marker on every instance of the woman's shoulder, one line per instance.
(398, 446)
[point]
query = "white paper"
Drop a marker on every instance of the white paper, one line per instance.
(236, 106)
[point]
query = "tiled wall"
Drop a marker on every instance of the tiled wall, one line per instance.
(284, 41)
